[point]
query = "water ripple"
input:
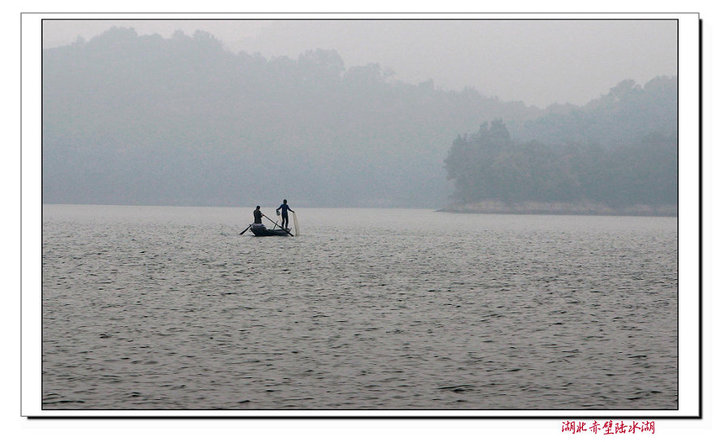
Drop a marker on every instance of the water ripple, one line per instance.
(169, 308)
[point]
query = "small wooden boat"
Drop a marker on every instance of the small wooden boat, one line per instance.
(261, 230)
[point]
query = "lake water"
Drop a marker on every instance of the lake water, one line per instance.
(170, 308)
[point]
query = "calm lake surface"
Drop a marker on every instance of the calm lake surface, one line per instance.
(170, 308)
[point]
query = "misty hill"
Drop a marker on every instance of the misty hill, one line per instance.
(626, 114)
(615, 154)
(131, 119)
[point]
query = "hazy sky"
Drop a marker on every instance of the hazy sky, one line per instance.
(539, 62)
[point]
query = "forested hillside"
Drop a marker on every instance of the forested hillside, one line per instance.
(134, 119)
(617, 151)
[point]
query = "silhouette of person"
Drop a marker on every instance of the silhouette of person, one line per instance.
(284, 207)
(258, 215)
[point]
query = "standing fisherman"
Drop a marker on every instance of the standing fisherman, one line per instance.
(284, 206)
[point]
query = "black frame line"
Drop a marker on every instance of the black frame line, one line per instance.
(384, 417)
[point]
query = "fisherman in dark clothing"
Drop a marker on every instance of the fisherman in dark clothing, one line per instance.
(284, 206)
(258, 215)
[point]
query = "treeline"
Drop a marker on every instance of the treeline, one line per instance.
(490, 166)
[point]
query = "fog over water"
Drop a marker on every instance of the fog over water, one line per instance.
(135, 117)
(159, 137)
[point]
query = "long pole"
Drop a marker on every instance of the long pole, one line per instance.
(276, 225)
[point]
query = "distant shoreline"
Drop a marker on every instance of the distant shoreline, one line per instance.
(557, 208)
